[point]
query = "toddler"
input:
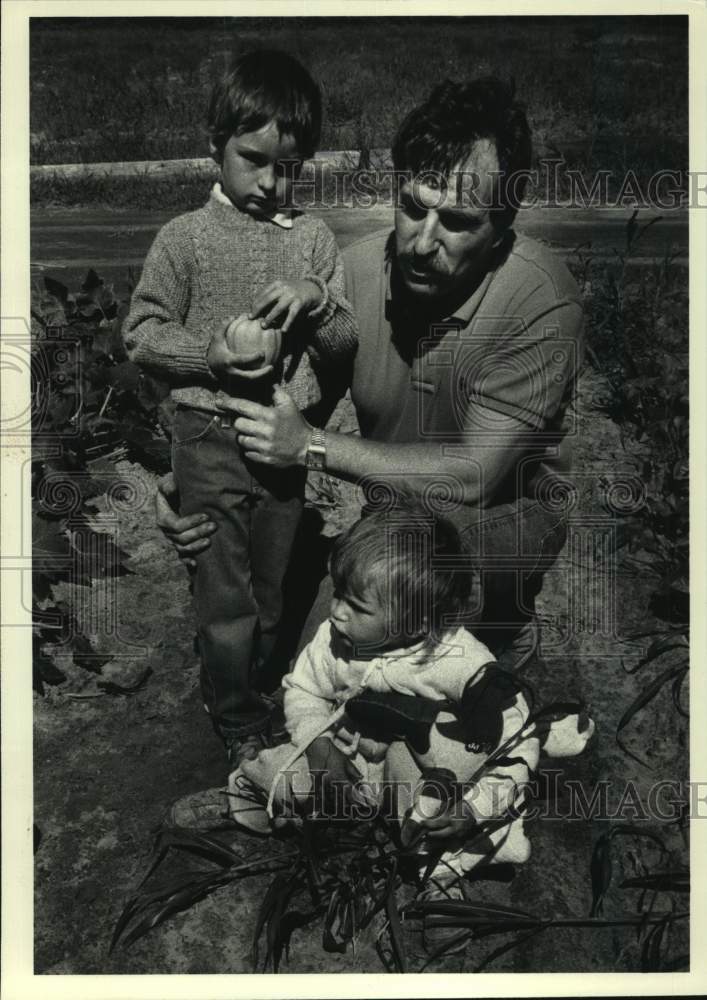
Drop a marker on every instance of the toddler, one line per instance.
(234, 298)
(393, 693)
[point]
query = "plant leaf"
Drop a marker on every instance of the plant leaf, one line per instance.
(643, 699)
(658, 648)
(508, 946)
(601, 871)
(395, 931)
(57, 289)
(202, 845)
(180, 900)
(269, 901)
(676, 689)
(674, 881)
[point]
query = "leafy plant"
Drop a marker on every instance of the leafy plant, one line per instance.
(348, 873)
(90, 407)
(638, 341)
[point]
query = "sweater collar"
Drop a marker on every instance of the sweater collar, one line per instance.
(282, 219)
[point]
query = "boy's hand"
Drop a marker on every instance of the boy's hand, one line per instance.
(288, 297)
(223, 361)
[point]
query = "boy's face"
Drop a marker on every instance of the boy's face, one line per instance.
(252, 174)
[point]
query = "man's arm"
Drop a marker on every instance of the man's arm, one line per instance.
(278, 435)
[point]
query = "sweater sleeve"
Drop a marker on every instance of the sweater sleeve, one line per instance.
(335, 333)
(154, 332)
(310, 694)
(499, 785)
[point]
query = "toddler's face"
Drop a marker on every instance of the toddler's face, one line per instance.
(252, 173)
(361, 621)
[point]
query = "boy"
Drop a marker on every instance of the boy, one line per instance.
(245, 254)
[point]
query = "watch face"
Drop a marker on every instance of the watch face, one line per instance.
(316, 458)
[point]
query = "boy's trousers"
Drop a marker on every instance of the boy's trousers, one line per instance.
(237, 583)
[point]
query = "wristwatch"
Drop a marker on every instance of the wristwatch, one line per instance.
(316, 451)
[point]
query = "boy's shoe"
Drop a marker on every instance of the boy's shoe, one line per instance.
(247, 747)
(278, 729)
(205, 810)
(434, 934)
(245, 742)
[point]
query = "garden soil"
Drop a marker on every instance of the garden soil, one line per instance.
(106, 767)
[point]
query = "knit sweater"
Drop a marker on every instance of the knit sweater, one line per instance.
(211, 263)
(322, 679)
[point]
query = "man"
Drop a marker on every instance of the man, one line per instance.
(470, 340)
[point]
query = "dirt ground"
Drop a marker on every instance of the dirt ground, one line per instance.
(106, 767)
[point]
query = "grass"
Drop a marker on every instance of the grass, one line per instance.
(604, 92)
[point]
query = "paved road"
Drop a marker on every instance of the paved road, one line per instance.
(66, 242)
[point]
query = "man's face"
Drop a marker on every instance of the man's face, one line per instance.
(253, 173)
(445, 235)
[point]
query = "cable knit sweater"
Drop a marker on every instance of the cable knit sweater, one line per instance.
(209, 264)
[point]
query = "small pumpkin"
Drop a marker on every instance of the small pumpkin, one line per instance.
(256, 349)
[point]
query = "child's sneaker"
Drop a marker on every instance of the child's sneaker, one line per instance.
(278, 728)
(205, 810)
(435, 934)
(243, 748)
(245, 742)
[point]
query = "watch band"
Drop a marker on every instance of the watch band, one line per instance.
(316, 451)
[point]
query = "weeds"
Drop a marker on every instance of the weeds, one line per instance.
(90, 407)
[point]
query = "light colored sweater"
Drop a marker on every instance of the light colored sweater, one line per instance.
(211, 263)
(321, 681)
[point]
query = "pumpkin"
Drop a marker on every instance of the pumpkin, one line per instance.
(256, 349)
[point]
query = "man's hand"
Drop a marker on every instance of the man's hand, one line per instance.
(190, 534)
(275, 435)
(285, 297)
(334, 773)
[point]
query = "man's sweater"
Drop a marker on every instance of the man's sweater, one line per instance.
(211, 263)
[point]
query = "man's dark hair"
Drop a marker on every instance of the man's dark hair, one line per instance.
(399, 556)
(264, 86)
(439, 135)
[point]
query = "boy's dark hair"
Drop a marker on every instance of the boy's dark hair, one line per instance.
(439, 134)
(400, 555)
(264, 86)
